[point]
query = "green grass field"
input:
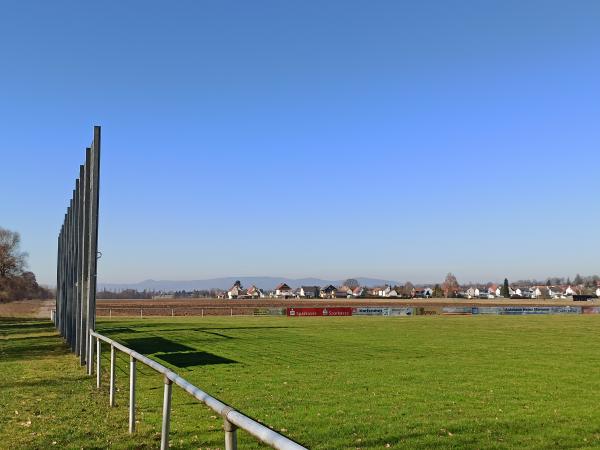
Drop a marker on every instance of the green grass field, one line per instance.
(330, 383)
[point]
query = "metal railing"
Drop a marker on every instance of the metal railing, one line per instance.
(232, 419)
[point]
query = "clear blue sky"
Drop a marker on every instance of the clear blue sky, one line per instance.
(306, 138)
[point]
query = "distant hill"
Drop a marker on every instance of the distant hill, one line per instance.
(226, 282)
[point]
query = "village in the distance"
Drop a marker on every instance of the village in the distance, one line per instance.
(580, 288)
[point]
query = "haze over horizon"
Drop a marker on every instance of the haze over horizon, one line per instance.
(395, 140)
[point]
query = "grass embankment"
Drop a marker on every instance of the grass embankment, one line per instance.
(330, 383)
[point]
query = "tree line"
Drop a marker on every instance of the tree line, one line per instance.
(149, 294)
(16, 283)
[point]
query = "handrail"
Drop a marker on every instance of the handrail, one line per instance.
(233, 419)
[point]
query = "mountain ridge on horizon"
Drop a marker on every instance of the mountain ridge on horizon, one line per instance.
(262, 282)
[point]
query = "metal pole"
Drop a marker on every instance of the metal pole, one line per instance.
(166, 419)
(76, 270)
(93, 232)
(68, 324)
(98, 363)
(131, 394)
(90, 357)
(83, 245)
(112, 376)
(87, 358)
(73, 270)
(230, 435)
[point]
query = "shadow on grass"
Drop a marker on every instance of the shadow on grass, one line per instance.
(155, 344)
(106, 330)
(192, 359)
(24, 351)
(45, 382)
(21, 326)
(28, 345)
(214, 333)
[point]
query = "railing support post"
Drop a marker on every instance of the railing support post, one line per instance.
(112, 376)
(230, 435)
(131, 394)
(90, 357)
(98, 363)
(166, 419)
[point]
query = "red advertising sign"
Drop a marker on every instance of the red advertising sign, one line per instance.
(330, 312)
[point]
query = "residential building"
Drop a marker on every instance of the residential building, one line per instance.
(310, 291)
(328, 291)
(283, 291)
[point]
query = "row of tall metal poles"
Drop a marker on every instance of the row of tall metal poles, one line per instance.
(77, 260)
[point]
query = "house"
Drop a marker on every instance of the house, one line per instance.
(358, 291)
(254, 292)
(422, 293)
(556, 292)
(385, 291)
(472, 292)
(235, 291)
(485, 294)
(283, 291)
(309, 291)
(328, 292)
(598, 292)
(570, 291)
(341, 293)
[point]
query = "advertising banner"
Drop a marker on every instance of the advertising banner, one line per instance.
(402, 312)
(374, 311)
(527, 310)
(427, 311)
(591, 310)
(315, 312)
(458, 310)
(269, 312)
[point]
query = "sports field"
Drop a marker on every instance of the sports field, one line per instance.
(329, 383)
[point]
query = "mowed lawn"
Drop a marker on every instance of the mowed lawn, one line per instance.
(329, 383)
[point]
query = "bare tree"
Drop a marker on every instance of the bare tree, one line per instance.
(450, 285)
(407, 290)
(12, 259)
(351, 283)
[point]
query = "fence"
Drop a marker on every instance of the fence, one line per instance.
(336, 311)
(232, 419)
(75, 313)
(177, 311)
